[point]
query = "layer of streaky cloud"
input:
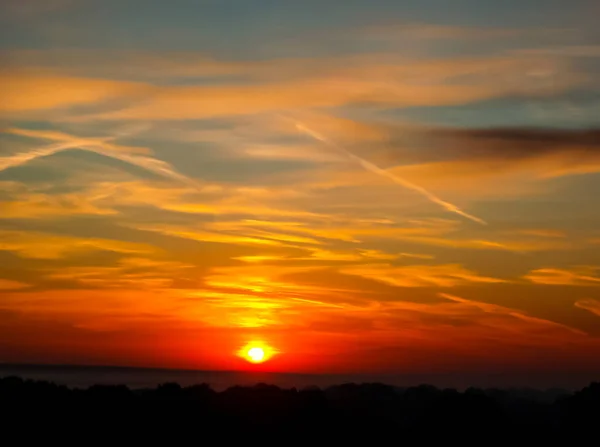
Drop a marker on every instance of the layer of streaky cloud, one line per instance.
(277, 281)
(590, 305)
(37, 245)
(355, 230)
(101, 146)
(377, 66)
(129, 272)
(450, 275)
(94, 196)
(456, 323)
(180, 103)
(297, 153)
(9, 284)
(200, 235)
(331, 90)
(29, 90)
(30, 204)
(541, 232)
(317, 254)
(330, 227)
(281, 84)
(577, 276)
(496, 309)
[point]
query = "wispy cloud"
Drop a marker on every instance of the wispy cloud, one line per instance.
(542, 232)
(9, 284)
(25, 91)
(101, 146)
(450, 275)
(357, 231)
(496, 309)
(130, 272)
(578, 276)
(40, 205)
(52, 246)
(208, 236)
(386, 80)
(590, 305)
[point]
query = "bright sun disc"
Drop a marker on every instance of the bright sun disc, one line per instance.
(257, 352)
(256, 355)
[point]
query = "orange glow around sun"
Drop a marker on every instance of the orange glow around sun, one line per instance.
(256, 352)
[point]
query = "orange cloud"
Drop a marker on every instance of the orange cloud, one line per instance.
(180, 103)
(29, 90)
(514, 245)
(472, 331)
(138, 273)
(94, 196)
(340, 255)
(263, 279)
(9, 284)
(52, 246)
(542, 232)
(346, 229)
(207, 236)
(333, 90)
(33, 205)
(590, 305)
(495, 309)
(297, 153)
(579, 276)
(277, 85)
(354, 230)
(247, 207)
(450, 275)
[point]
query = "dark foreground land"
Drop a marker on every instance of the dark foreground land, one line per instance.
(366, 414)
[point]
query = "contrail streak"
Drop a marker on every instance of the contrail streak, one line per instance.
(96, 145)
(384, 173)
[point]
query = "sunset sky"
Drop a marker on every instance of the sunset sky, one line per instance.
(359, 186)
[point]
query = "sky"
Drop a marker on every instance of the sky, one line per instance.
(362, 186)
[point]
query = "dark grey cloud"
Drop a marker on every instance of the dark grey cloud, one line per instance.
(499, 144)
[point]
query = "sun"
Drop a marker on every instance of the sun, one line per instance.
(256, 355)
(256, 352)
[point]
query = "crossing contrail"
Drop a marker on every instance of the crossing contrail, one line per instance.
(384, 173)
(100, 146)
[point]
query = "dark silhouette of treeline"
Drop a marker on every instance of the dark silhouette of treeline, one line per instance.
(339, 414)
